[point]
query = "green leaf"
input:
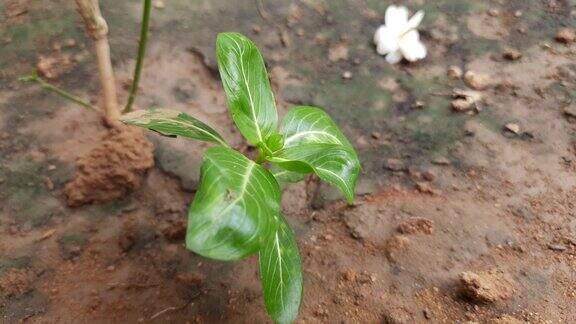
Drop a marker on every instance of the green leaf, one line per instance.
(281, 274)
(314, 143)
(172, 122)
(285, 176)
(333, 163)
(304, 124)
(247, 86)
(234, 207)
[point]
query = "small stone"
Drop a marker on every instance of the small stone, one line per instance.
(48, 183)
(476, 81)
(347, 75)
(517, 13)
(487, 286)
(418, 104)
(511, 54)
(454, 72)
(190, 279)
(159, 4)
(441, 161)
(427, 314)
(51, 167)
(424, 187)
(512, 127)
(428, 175)
(111, 268)
(349, 275)
(256, 29)
(395, 165)
(570, 111)
(338, 52)
(375, 135)
(362, 142)
(328, 237)
(461, 105)
(416, 225)
(71, 42)
(566, 35)
(285, 39)
(557, 247)
(494, 12)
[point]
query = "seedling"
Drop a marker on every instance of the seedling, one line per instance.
(237, 209)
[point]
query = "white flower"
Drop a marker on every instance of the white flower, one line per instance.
(399, 37)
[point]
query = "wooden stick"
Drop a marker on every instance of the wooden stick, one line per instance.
(98, 30)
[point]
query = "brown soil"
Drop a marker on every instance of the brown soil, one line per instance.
(112, 169)
(469, 224)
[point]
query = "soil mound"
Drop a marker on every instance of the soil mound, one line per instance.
(112, 169)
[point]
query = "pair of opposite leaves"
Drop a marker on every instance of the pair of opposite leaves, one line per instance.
(236, 211)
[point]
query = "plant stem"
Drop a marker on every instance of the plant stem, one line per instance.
(64, 94)
(141, 52)
(98, 31)
(261, 156)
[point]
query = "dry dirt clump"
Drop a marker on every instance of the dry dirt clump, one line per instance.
(486, 286)
(112, 169)
(15, 282)
(416, 225)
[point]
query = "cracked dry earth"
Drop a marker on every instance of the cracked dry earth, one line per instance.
(458, 218)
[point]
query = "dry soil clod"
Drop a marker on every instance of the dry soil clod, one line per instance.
(487, 286)
(476, 81)
(112, 169)
(566, 36)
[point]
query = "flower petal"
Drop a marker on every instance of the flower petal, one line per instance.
(411, 46)
(396, 16)
(378, 34)
(386, 40)
(415, 20)
(394, 57)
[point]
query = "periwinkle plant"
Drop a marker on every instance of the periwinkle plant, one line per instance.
(236, 211)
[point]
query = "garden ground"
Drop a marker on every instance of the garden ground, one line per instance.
(460, 216)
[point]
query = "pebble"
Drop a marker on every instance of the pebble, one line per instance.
(51, 167)
(511, 54)
(418, 104)
(557, 247)
(159, 4)
(441, 161)
(395, 165)
(454, 72)
(494, 12)
(570, 111)
(461, 105)
(375, 135)
(566, 35)
(512, 127)
(347, 75)
(428, 175)
(424, 187)
(476, 81)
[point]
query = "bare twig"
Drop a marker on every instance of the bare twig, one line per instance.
(66, 95)
(173, 308)
(98, 31)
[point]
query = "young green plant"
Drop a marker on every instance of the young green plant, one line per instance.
(236, 211)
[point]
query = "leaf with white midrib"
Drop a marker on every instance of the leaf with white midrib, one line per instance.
(247, 87)
(314, 143)
(281, 274)
(305, 124)
(172, 122)
(231, 212)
